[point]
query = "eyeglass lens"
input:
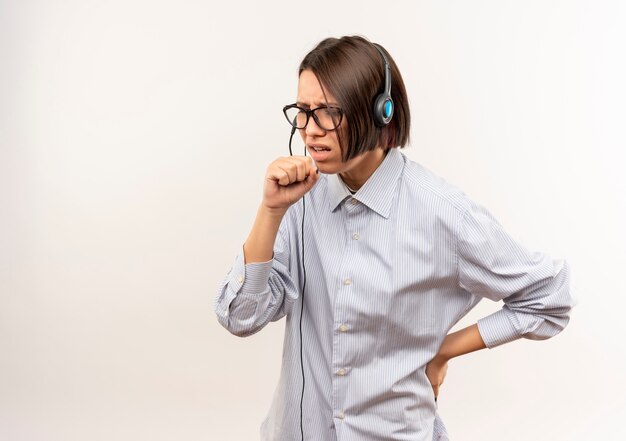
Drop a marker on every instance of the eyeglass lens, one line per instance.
(328, 118)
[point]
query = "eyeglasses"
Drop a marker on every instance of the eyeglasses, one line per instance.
(327, 118)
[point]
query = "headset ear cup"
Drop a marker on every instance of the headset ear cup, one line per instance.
(379, 104)
(383, 114)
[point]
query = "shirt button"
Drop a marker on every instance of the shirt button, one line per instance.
(355, 236)
(354, 201)
(341, 414)
(347, 282)
(240, 279)
(341, 372)
(343, 328)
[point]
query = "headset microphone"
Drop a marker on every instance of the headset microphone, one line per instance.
(293, 130)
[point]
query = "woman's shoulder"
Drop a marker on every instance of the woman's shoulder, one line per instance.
(425, 184)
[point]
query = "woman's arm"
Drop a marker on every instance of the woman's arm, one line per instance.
(533, 287)
(461, 342)
(259, 246)
(455, 344)
(259, 288)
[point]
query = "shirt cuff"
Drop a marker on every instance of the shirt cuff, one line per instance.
(249, 278)
(497, 329)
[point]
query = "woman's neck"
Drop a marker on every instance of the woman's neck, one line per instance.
(363, 167)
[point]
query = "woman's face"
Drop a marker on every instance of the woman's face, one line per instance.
(322, 145)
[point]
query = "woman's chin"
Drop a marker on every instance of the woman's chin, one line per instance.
(327, 169)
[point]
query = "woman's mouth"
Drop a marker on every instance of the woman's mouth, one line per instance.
(319, 152)
(319, 148)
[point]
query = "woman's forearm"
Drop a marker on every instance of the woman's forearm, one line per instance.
(259, 247)
(461, 342)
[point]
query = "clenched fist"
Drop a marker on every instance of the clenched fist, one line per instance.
(287, 180)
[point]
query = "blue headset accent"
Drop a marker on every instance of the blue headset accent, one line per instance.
(388, 108)
(383, 104)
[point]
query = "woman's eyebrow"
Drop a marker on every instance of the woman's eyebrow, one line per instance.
(301, 104)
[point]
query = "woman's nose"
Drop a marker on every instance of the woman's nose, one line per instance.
(313, 129)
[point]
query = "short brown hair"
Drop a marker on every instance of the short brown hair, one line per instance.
(352, 70)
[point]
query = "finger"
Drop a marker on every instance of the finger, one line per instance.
(306, 160)
(285, 179)
(291, 167)
(302, 165)
(279, 175)
(311, 179)
(311, 168)
(291, 172)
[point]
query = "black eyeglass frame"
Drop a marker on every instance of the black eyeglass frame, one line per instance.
(311, 112)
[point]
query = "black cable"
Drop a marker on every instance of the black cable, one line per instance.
(302, 302)
(301, 313)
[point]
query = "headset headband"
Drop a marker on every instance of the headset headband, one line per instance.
(383, 104)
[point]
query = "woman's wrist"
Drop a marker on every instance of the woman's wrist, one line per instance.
(259, 247)
(272, 212)
(443, 356)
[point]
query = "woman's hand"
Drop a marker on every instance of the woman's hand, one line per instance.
(436, 371)
(287, 180)
(456, 344)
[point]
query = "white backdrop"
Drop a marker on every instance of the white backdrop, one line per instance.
(134, 136)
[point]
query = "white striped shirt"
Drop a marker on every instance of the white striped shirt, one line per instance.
(389, 271)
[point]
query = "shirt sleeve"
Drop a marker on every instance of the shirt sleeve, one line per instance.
(252, 295)
(533, 286)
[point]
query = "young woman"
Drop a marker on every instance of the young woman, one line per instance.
(376, 265)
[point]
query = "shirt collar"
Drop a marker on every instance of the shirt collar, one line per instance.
(377, 191)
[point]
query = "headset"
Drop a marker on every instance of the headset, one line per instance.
(383, 104)
(383, 112)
